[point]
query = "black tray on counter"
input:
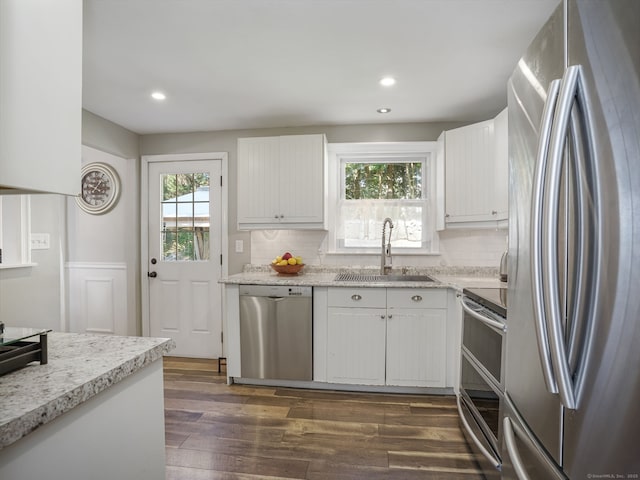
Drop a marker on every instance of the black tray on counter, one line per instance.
(21, 346)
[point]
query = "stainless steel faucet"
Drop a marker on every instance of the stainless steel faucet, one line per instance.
(385, 257)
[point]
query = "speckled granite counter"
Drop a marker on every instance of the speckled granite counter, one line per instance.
(80, 366)
(457, 278)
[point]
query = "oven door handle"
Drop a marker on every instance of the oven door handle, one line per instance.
(495, 461)
(489, 321)
(512, 449)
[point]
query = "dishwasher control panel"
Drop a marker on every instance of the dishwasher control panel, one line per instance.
(275, 291)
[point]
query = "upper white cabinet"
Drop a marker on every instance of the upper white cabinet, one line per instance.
(476, 175)
(40, 95)
(282, 182)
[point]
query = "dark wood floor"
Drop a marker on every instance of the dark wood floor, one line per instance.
(216, 431)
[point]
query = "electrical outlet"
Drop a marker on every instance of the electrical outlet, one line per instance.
(239, 246)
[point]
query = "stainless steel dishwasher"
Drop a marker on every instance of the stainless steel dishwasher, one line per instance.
(276, 332)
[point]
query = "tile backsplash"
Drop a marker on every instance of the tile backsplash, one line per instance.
(458, 247)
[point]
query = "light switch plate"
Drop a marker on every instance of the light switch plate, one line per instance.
(239, 246)
(40, 241)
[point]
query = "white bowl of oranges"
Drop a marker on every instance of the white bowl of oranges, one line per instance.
(287, 264)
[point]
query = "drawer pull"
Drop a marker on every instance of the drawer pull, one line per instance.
(416, 298)
(356, 297)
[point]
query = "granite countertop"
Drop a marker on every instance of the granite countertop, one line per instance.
(80, 366)
(457, 278)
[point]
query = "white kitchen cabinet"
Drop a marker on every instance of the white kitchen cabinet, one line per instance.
(281, 182)
(416, 337)
(356, 339)
(476, 174)
(392, 336)
(40, 95)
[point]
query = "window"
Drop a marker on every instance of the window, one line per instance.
(185, 217)
(378, 180)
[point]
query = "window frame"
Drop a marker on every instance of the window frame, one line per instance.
(340, 153)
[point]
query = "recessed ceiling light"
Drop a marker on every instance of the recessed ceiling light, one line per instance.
(383, 110)
(387, 81)
(158, 96)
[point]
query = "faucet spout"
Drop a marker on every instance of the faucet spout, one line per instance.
(385, 256)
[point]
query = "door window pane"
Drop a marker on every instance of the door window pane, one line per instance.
(185, 217)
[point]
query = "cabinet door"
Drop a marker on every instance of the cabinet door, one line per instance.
(470, 174)
(301, 179)
(416, 347)
(41, 95)
(258, 180)
(356, 345)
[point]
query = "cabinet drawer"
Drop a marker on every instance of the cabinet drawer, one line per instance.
(416, 298)
(357, 297)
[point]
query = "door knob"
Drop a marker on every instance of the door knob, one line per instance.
(152, 274)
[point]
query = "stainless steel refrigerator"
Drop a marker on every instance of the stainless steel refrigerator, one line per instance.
(572, 406)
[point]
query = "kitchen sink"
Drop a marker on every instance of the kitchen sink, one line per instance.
(360, 277)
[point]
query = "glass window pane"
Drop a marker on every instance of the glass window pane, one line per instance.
(184, 244)
(185, 187)
(362, 223)
(396, 180)
(168, 187)
(201, 244)
(185, 217)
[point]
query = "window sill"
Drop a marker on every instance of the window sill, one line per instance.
(6, 266)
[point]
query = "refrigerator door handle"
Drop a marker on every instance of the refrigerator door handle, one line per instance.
(512, 449)
(553, 316)
(537, 212)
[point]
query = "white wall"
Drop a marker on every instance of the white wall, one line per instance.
(103, 250)
(37, 296)
(30, 297)
(226, 141)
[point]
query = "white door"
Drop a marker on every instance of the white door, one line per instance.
(185, 218)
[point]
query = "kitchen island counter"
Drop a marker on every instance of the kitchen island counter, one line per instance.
(84, 396)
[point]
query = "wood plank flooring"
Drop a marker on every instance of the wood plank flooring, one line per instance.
(217, 431)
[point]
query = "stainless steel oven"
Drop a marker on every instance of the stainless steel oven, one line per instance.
(481, 397)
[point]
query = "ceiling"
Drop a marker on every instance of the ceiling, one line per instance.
(235, 64)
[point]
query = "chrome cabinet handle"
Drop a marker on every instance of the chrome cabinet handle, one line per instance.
(489, 321)
(494, 212)
(416, 298)
(382, 316)
(514, 455)
(390, 317)
(537, 214)
(356, 297)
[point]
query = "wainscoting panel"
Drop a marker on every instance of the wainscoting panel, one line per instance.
(97, 297)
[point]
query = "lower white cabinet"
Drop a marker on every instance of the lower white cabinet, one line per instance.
(356, 345)
(416, 347)
(395, 336)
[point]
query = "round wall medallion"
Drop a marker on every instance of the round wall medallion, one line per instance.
(100, 188)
